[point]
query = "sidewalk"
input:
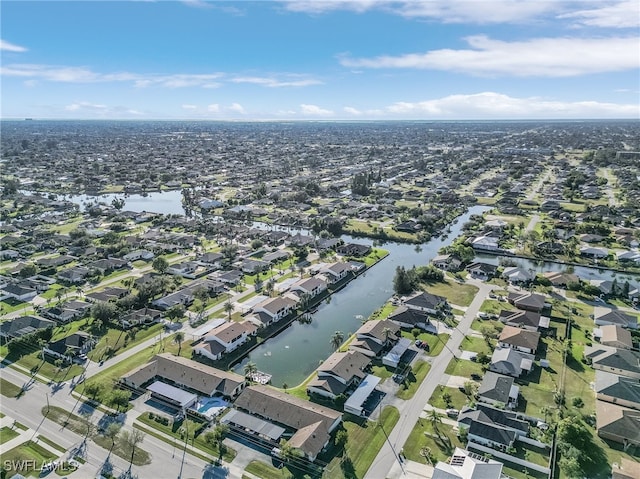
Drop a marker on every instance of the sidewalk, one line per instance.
(24, 436)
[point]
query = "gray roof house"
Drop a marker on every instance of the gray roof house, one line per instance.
(511, 362)
(498, 389)
(619, 361)
(617, 389)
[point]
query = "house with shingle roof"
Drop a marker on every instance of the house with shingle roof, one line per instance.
(520, 318)
(618, 424)
(511, 362)
(614, 335)
(603, 316)
(186, 373)
(426, 302)
(373, 337)
(340, 371)
(617, 389)
(312, 286)
(528, 301)
(311, 423)
(229, 336)
(618, 361)
(21, 325)
(519, 339)
(498, 389)
(277, 308)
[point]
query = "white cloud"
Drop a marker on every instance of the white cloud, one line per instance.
(620, 14)
(446, 11)
(11, 47)
(352, 111)
(549, 57)
(85, 105)
(491, 105)
(237, 108)
(213, 108)
(274, 83)
(314, 110)
(190, 107)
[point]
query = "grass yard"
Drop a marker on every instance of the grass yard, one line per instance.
(173, 429)
(493, 306)
(267, 471)
(365, 441)
(438, 443)
(464, 368)
(477, 345)
(9, 389)
(413, 380)
(7, 433)
(458, 398)
(34, 454)
(109, 376)
(33, 362)
(436, 343)
(118, 341)
(456, 293)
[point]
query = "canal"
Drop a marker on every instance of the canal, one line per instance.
(297, 351)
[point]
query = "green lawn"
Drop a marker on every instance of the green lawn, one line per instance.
(33, 454)
(477, 345)
(9, 389)
(267, 471)
(456, 293)
(436, 343)
(118, 341)
(493, 306)
(364, 443)
(414, 379)
(76, 424)
(109, 376)
(464, 368)
(173, 429)
(7, 433)
(458, 398)
(33, 362)
(438, 443)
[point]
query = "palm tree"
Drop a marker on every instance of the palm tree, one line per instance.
(228, 308)
(435, 418)
(386, 332)
(250, 369)
(177, 339)
(336, 339)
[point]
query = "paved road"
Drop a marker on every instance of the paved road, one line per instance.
(383, 464)
(532, 223)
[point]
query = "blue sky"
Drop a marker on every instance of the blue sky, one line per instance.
(366, 59)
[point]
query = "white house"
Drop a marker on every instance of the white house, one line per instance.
(229, 336)
(336, 271)
(277, 308)
(312, 286)
(489, 243)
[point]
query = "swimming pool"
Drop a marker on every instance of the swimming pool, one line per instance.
(211, 407)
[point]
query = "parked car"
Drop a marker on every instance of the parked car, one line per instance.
(476, 376)
(482, 315)
(418, 343)
(452, 412)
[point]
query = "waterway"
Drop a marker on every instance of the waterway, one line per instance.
(296, 352)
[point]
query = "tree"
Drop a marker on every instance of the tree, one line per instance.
(88, 426)
(416, 332)
(131, 439)
(402, 282)
(287, 452)
(160, 264)
(470, 388)
(215, 437)
(336, 339)
(177, 339)
(103, 311)
(176, 312)
(228, 308)
(250, 369)
(446, 397)
(341, 439)
(112, 431)
(119, 398)
(203, 296)
(92, 389)
(435, 419)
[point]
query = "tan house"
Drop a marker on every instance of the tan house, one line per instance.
(617, 423)
(615, 336)
(338, 373)
(519, 339)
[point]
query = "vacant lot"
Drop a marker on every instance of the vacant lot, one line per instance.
(456, 293)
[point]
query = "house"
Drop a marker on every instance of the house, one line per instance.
(70, 348)
(488, 414)
(231, 277)
(561, 280)
(486, 243)
(626, 469)
(623, 362)
(498, 390)
(229, 336)
(252, 266)
(312, 286)
(614, 335)
(603, 316)
(67, 311)
(311, 424)
(618, 424)
(373, 337)
(186, 373)
(276, 256)
(520, 339)
(594, 253)
(426, 302)
(482, 270)
(467, 465)
(107, 294)
(617, 389)
(142, 316)
(517, 275)
(21, 325)
(411, 318)
(394, 357)
(336, 272)
(524, 319)
(18, 292)
(447, 262)
(75, 275)
(186, 269)
(184, 297)
(353, 249)
(511, 362)
(109, 264)
(528, 301)
(277, 308)
(491, 435)
(139, 254)
(212, 260)
(340, 371)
